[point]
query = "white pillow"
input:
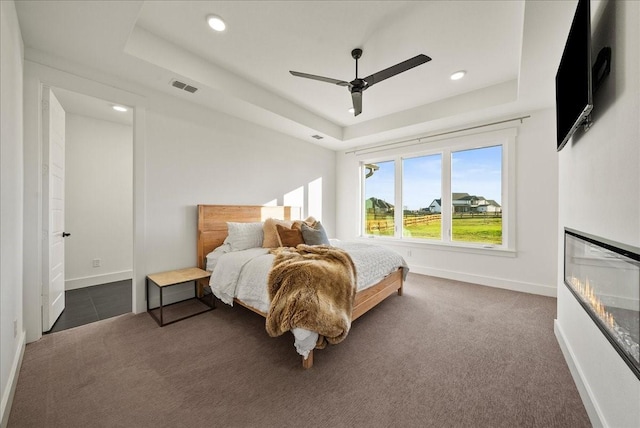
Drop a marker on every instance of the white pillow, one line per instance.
(243, 236)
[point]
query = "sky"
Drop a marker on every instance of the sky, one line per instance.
(476, 172)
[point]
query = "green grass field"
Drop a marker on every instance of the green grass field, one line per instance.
(486, 230)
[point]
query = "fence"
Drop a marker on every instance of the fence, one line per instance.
(386, 224)
(422, 219)
(472, 214)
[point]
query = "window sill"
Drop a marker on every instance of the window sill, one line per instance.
(484, 249)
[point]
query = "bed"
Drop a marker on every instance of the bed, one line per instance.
(213, 230)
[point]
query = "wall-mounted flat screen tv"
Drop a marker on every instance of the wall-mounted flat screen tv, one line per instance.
(574, 98)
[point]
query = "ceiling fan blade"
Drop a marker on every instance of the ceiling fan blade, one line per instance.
(356, 97)
(396, 69)
(320, 78)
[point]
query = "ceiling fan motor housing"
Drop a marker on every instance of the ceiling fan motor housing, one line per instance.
(358, 85)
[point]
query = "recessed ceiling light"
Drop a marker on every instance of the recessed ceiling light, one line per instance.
(458, 75)
(351, 110)
(216, 22)
(120, 108)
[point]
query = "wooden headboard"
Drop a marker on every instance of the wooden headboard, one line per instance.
(212, 223)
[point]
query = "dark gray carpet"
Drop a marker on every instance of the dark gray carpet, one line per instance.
(446, 354)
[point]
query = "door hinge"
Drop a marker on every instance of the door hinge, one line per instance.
(45, 169)
(45, 105)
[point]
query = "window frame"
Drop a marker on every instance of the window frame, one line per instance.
(505, 137)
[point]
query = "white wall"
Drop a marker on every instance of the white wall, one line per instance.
(12, 338)
(603, 165)
(200, 157)
(533, 268)
(98, 201)
(184, 155)
(211, 158)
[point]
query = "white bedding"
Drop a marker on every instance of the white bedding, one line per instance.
(243, 275)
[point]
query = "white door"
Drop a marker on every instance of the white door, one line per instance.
(53, 134)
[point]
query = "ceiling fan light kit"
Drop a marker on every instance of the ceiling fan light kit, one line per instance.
(357, 85)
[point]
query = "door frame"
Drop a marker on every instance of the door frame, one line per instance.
(37, 76)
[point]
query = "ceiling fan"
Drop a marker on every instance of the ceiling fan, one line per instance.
(357, 86)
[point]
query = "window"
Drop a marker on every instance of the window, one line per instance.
(421, 197)
(453, 192)
(476, 195)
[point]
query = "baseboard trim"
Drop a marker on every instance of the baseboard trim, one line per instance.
(524, 287)
(10, 390)
(586, 395)
(89, 281)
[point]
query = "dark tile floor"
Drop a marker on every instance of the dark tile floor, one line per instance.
(90, 304)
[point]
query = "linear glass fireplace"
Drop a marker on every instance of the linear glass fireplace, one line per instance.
(605, 278)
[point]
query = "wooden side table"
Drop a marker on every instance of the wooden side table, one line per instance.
(175, 277)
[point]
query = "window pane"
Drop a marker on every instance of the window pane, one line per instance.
(379, 195)
(476, 190)
(421, 191)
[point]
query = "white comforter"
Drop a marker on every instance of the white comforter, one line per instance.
(243, 275)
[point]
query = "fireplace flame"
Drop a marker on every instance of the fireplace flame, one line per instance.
(589, 296)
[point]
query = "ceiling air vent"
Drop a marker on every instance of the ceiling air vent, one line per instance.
(181, 85)
(317, 137)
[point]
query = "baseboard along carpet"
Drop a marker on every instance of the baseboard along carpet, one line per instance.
(445, 354)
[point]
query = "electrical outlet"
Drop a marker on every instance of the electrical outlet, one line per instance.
(408, 253)
(96, 262)
(15, 328)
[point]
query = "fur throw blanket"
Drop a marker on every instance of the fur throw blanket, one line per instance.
(311, 287)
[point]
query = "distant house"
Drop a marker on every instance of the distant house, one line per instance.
(378, 206)
(462, 202)
(490, 206)
(466, 203)
(456, 196)
(435, 207)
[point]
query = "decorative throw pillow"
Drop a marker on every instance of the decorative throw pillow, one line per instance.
(243, 236)
(270, 239)
(315, 235)
(289, 237)
(309, 221)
